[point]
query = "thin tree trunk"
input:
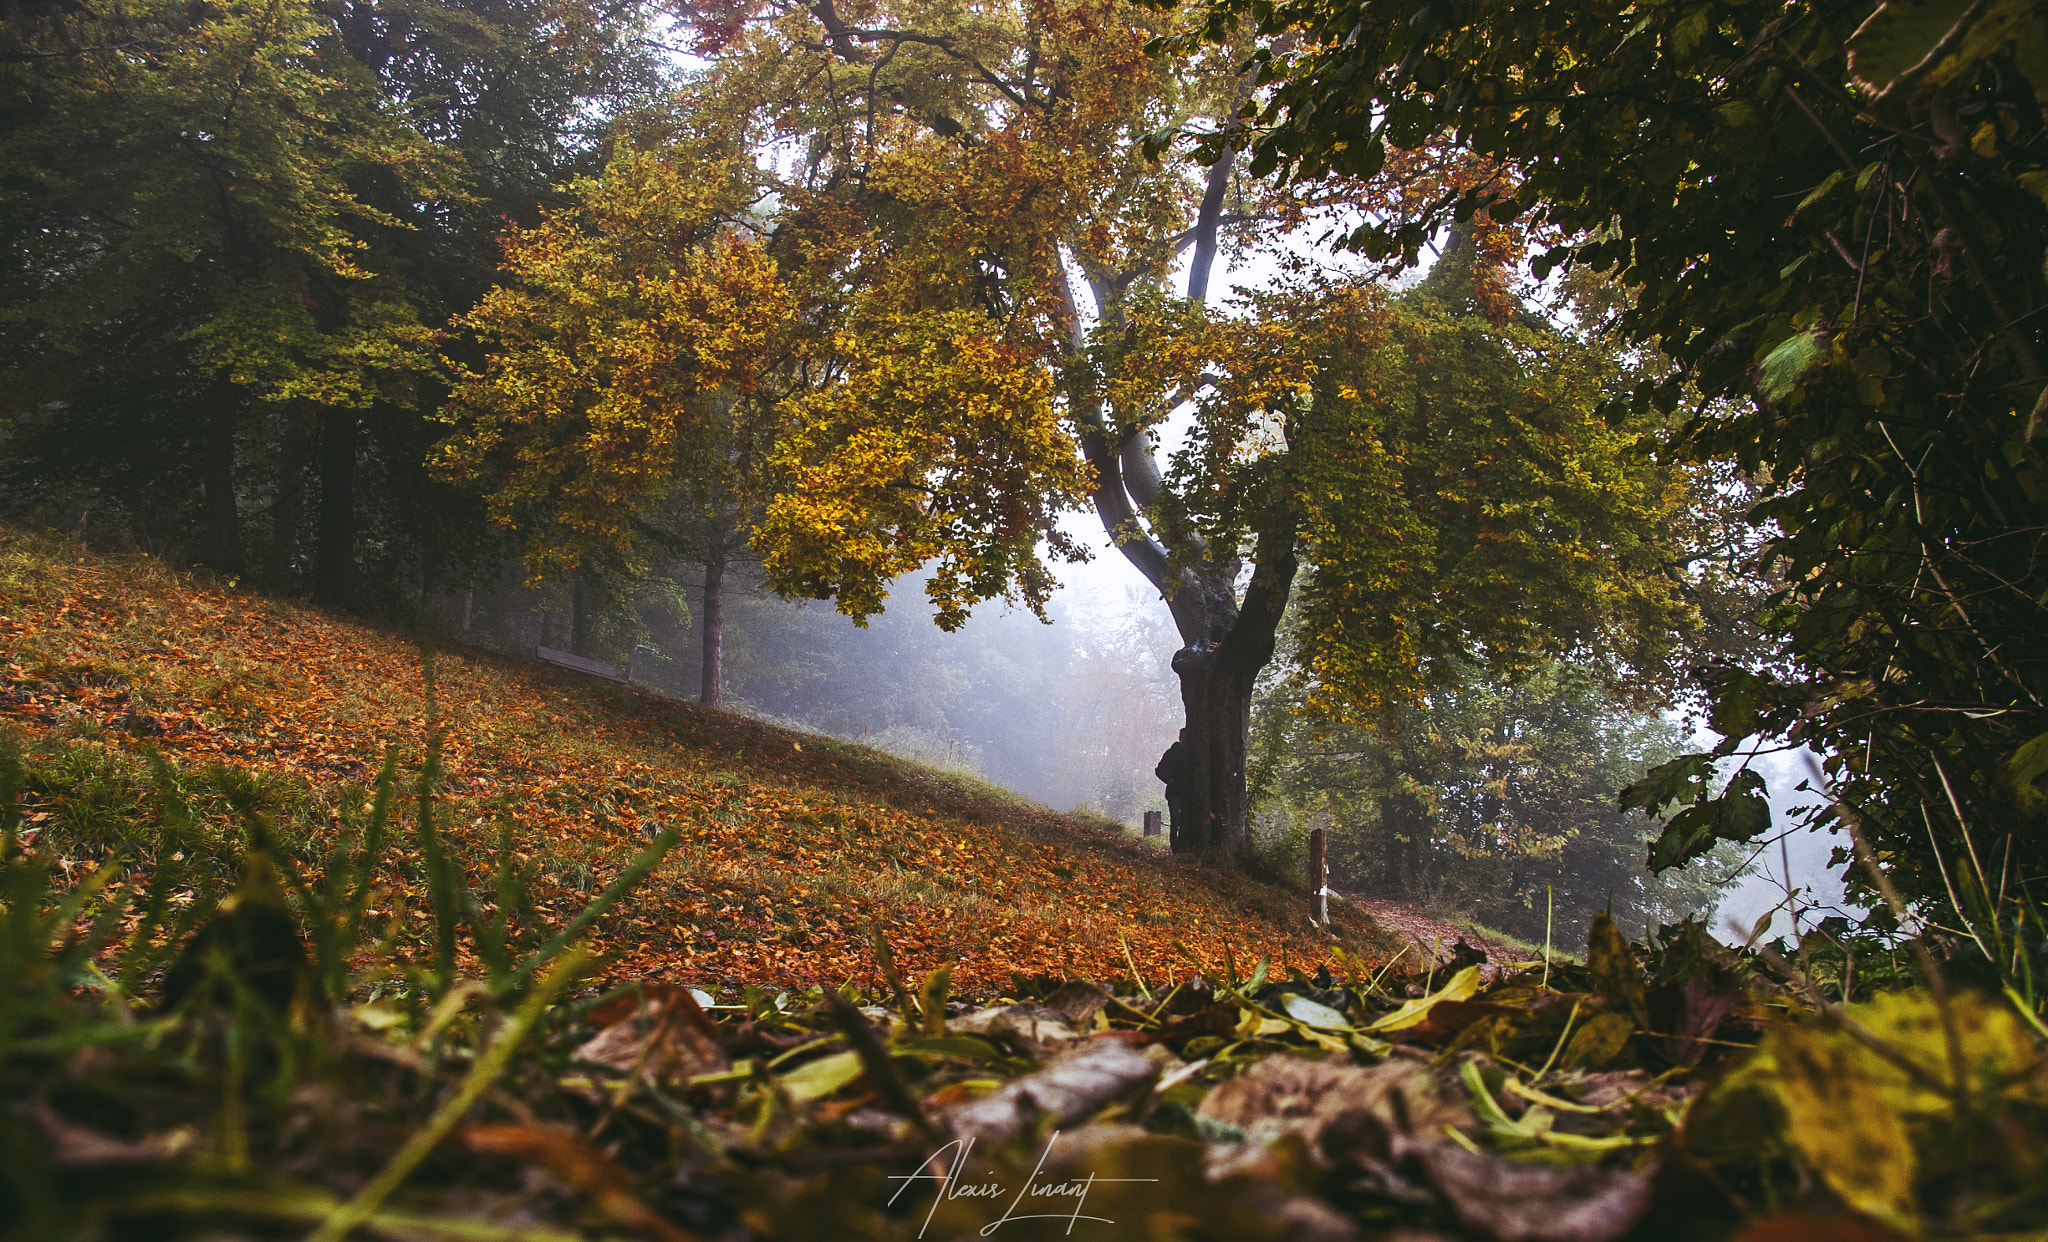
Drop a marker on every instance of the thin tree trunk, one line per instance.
(334, 573)
(288, 505)
(712, 691)
(582, 617)
(223, 516)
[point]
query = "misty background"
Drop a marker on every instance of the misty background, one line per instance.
(1074, 715)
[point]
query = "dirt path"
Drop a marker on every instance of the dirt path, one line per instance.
(1430, 935)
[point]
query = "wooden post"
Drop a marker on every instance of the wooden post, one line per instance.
(1152, 823)
(1319, 877)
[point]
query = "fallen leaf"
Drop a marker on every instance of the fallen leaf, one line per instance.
(1792, 1227)
(1462, 986)
(1068, 1091)
(1599, 1042)
(1518, 1201)
(1616, 975)
(568, 1157)
(817, 1079)
(1037, 1027)
(1686, 1015)
(1843, 1124)
(1314, 1013)
(659, 1033)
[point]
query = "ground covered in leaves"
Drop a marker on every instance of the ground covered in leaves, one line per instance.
(1696, 1099)
(792, 846)
(251, 988)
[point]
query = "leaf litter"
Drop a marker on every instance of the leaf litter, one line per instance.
(468, 1085)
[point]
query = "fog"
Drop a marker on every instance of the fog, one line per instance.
(1073, 715)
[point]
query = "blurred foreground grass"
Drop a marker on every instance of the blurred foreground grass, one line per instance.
(273, 1047)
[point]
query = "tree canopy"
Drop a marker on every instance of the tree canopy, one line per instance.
(974, 242)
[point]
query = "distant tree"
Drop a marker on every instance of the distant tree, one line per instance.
(616, 418)
(193, 177)
(1119, 708)
(232, 234)
(1488, 799)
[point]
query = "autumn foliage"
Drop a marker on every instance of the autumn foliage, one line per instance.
(795, 847)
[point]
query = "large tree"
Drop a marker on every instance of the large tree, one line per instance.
(1831, 218)
(976, 242)
(631, 359)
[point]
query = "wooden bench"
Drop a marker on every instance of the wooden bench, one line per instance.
(578, 664)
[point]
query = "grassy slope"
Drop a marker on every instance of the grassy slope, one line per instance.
(794, 844)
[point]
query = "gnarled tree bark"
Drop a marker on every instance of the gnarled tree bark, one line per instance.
(1227, 641)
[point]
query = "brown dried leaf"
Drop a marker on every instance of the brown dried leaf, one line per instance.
(1339, 1111)
(568, 1157)
(1069, 1090)
(1686, 1015)
(1515, 1201)
(68, 1145)
(1036, 1026)
(666, 1038)
(1800, 1228)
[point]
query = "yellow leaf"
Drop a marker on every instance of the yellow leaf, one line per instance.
(1997, 1049)
(1463, 986)
(1843, 1125)
(1613, 967)
(1599, 1042)
(1252, 1024)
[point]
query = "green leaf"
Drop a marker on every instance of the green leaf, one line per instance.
(1741, 813)
(1686, 36)
(1782, 368)
(817, 1079)
(1313, 1013)
(2025, 776)
(1685, 837)
(1894, 42)
(1682, 779)
(1818, 192)
(1745, 808)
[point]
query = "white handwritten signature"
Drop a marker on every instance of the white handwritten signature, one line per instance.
(951, 1187)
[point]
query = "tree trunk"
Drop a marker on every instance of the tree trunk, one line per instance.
(712, 692)
(1226, 644)
(334, 573)
(1218, 699)
(1218, 672)
(582, 617)
(223, 516)
(294, 450)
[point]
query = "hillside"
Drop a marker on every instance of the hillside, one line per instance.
(794, 846)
